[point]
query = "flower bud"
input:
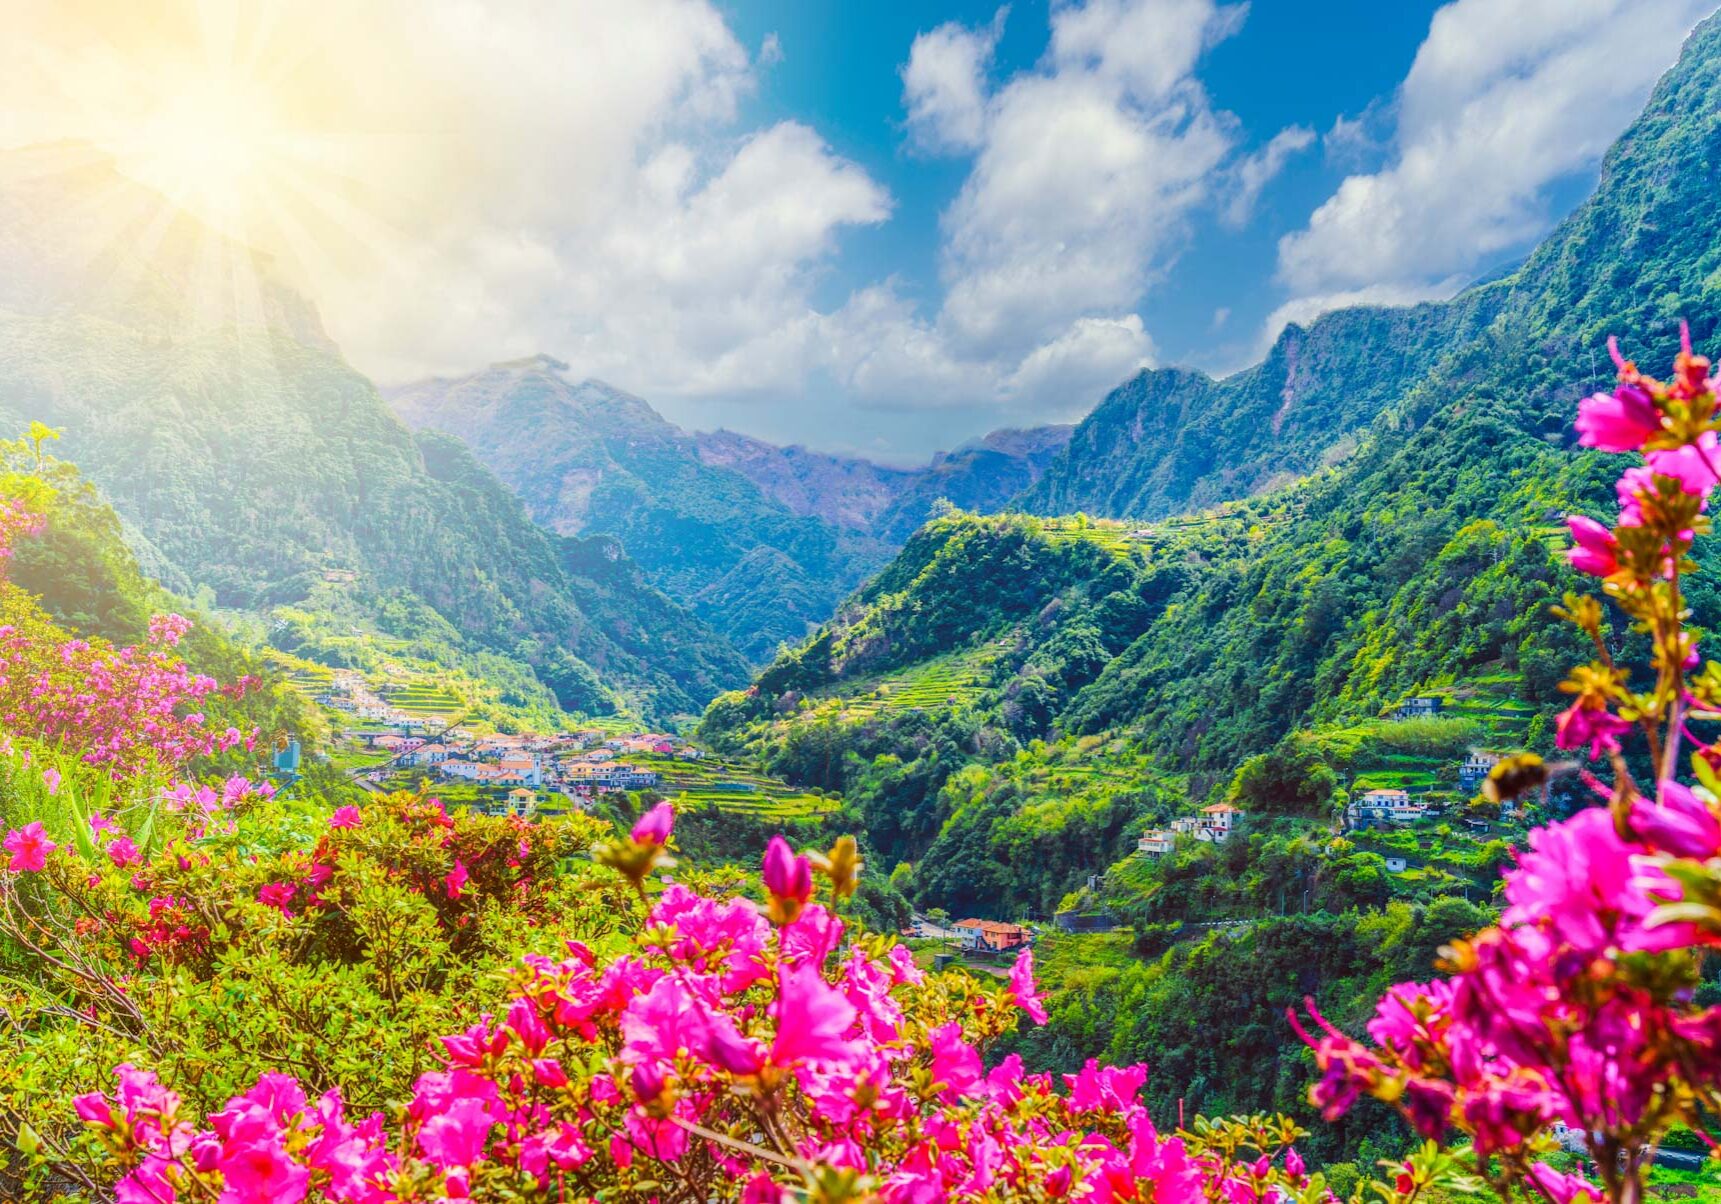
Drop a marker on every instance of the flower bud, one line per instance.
(655, 826)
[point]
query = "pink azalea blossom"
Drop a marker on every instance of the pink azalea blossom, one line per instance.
(167, 630)
(278, 895)
(813, 1020)
(1678, 822)
(1594, 550)
(1579, 726)
(1692, 465)
(29, 847)
(122, 851)
(456, 879)
(1620, 421)
(786, 875)
(344, 817)
(1022, 988)
(655, 826)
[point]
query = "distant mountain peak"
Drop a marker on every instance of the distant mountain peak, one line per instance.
(541, 362)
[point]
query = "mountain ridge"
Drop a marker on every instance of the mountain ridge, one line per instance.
(253, 458)
(761, 541)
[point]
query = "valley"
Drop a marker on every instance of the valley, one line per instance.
(378, 712)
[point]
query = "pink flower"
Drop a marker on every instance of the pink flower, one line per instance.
(1680, 823)
(1619, 421)
(1564, 1189)
(1594, 550)
(954, 1062)
(812, 1020)
(456, 879)
(1596, 727)
(148, 1184)
(29, 847)
(168, 630)
(1692, 465)
(344, 817)
(787, 876)
(260, 1171)
(655, 825)
(122, 851)
(457, 1110)
(1022, 987)
(277, 895)
(93, 1109)
(1575, 875)
(51, 778)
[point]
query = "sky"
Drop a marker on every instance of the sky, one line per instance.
(868, 226)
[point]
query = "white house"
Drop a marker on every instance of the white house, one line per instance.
(1476, 768)
(1385, 807)
(1214, 824)
(1217, 822)
(1156, 842)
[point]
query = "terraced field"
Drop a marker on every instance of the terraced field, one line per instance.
(733, 788)
(421, 698)
(1118, 538)
(307, 677)
(954, 679)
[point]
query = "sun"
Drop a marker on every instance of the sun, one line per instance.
(216, 147)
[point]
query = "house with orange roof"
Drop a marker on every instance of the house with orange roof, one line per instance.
(992, 936)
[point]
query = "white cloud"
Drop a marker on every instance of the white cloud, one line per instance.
(1086, 172)
(1145, 50)
(1501, 101)
(1255, 172)
(944, 84)
(467, 181)
(1063, 378)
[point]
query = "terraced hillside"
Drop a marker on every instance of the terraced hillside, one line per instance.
(426, 699)
(735, 788)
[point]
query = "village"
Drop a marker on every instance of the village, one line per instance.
(524, 773)
(550, 773)
(554, 772)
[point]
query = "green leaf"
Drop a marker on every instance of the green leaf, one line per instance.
(146, 830)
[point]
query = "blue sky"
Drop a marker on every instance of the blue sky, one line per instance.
(871, 227)
(1293, 63)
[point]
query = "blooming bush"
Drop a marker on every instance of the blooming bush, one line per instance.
(1579, 1009)
(728, 1051)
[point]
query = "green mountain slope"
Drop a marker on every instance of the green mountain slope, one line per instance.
(759, 540)
(78, 569)
(1424, 562)
(1171, 440)
(587, 459)
(255, 461)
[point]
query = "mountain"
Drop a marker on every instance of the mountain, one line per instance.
(984, 475)
(1171, 440)
(587, 459)
(1273, 631)
(760, 541)
(856, 494)
(845, 491)
(200, 394)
